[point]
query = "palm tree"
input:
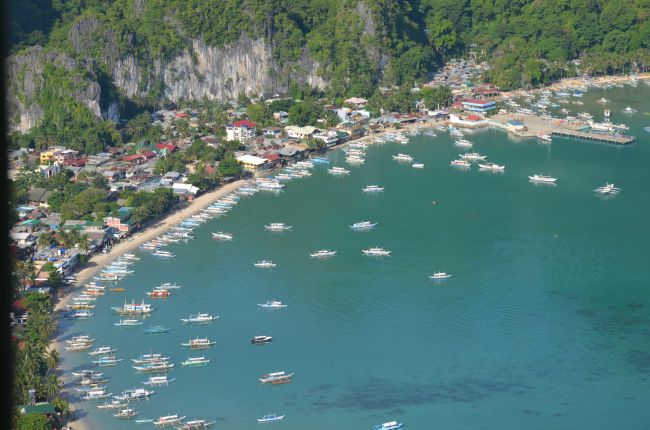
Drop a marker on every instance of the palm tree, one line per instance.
(84, 244)
(51, 386)
(52, 359)
(61, 405)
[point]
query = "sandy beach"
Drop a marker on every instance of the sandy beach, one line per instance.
(98, 261)
(576, 82)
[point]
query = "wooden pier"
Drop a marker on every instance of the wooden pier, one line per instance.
(617, 139)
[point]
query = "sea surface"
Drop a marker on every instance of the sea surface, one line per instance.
(545, 323)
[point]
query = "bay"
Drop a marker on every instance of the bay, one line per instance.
(544, 324)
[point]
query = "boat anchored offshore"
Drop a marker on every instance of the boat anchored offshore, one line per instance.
(278, 226)
(159, 293)
(270, 418)
(491, 166)
(158, 381)
(157, 329)
(114, 404)
(418, 165)
(200, 318)
(195, 362)
(222, 236)
(338, 171)
(196, 425)
(265, 264)
(134, 308)
(373, 189)
(363, 225)
(460, 163)
(402, 157)
(544, 179)
(378, 252)
(125, 414)
(261, 339)
(155, 367)
(272, 304)
(440, 276)
(276, 378)
(472, 156)
(169, 420)
(390, 425)
(135, 394)
(323, 253)
(102, 350)
(199, 343)
(128, 323)
(608, 189)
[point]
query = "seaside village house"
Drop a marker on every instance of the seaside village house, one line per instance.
(479, 106)
(356, 102)
(241, 130)
(252, 164)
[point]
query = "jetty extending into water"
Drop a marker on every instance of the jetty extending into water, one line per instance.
(527, 125)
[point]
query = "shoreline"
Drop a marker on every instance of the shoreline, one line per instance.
(98, 261)
(577, 82)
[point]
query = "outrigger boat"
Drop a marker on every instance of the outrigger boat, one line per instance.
(272, 304)
(169, 420)
(363, 225)
(159, 294)
(128, 323)
(390, 425)
(88, 373)
(96, 395)
(198, 343)
(196, 425)
(323, 253)
(222, 236)
(265, 264)
(276, 377)
(80, 314)
(115, 404)
(544, 179)
(107, 360)
(162, 366)
(338, 171)
(126, 414)
(261, 339)
(158, 381)
(440, 276)
(270, 418)
(149, 358)
(373, 189)
(77, 347)
(102, 350)
(200, 318)
(135, 394)
(278, 226)
(80, 339)
(157, 329)
(195, 362)
(377, 252)
(134, 308)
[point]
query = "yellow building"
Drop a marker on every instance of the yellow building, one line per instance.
(252, 163)
(47, 156)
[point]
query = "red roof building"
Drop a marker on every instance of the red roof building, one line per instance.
(169, 146)
(244, 123)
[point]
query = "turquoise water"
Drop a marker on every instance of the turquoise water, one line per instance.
(544, 324)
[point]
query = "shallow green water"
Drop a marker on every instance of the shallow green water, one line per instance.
(545, 323)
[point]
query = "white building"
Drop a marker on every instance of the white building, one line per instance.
(241, 130)
(300, 132)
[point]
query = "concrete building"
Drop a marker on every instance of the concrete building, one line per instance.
(479, 106)
(241, 130)
(252, 163)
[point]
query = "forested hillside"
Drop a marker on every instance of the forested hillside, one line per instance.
(145, 51)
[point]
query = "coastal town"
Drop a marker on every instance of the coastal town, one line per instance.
(78, 208)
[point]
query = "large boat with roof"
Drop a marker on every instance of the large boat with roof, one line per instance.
(272, 304)
(158, 381)
(544, 179)
(376, 252)
(338, 171)
(200, 318)
(438, 276)
(373, 189)
(363, 225)
(473, 156)
(135, 394)
(169, 420)
(102, 350)
(323, 253)
(265, 264)
(125, 414)
(149, 358)
(402, 157)
(491, 166)
(199, 343)
(98, 394)
(277, 226)
(134, 308)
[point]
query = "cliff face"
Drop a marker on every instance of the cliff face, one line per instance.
(214, 73)
(201, 71)
(36, 75)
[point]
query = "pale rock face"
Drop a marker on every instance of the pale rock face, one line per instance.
(201, 71)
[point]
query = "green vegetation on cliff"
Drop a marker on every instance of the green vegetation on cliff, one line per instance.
(358, 44)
